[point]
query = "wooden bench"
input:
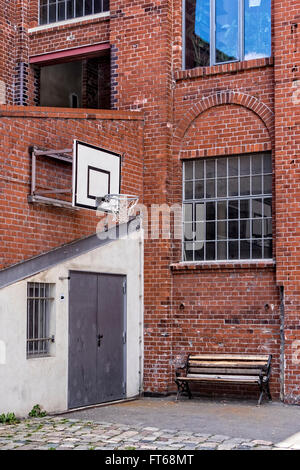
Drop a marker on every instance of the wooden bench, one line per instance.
(225, 368)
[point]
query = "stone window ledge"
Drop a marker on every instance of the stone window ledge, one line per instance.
(219, 265)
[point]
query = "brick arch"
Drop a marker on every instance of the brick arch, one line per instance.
(222, 98)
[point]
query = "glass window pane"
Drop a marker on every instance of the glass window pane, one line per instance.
(245, 185)
(199, 189)
(221, 167)
(43, 14)
(222, 210)
(222, 250)
(233, 166)
(61, 11)
(79, 8)
(267, 224)
(105, 5)
(88, 7)
(257, 185)
(210, 231)
(188, 251)
(233, 209)
(222, 230)
(256, 165)
(245, 249)
(267, 163)
(222, 187)
(52, 12)
(210, 168)
(199, 169)
(211, 251)
(211, 211)
(233, 250)
(188, 190)
(233, 229)
(245, 165)
(257, 208)
(256, 249)
(188, 170)
(97, 6)
(245, 208)
(267, 207)
(188, 232)
(257, 228)
(197, 33)
(200, 212)
(227, 18)
(200, 231)
(267, 184)
(268, 249)
(199, 251)
(233, 187)
(245, 226)
(188, 212)
(257, 29)
(70, 8)
(210, 188)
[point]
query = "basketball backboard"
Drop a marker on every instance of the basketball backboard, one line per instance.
(96, 173)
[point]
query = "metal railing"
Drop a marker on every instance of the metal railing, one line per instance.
(51, 11)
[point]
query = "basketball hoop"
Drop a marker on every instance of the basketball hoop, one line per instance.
(121, 206)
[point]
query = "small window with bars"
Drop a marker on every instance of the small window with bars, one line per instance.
(227, 205)
(52, 11)
(39, 308)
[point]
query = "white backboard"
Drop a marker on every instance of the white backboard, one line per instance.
(96, 173)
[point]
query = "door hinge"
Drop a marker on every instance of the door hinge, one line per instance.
(124, 337)
(124, 287)
(124, 387)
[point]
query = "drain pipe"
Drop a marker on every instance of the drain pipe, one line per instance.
(282, 344)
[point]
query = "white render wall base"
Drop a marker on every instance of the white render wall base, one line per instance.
(44, 381)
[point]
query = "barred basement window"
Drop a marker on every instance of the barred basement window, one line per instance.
(52, 11)
(227, 205)
(39, 306)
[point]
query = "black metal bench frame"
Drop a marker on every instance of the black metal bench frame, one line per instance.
(225, 368)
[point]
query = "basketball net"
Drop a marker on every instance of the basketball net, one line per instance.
(121, 206)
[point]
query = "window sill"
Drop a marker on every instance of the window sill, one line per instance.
(80, 20)
(221, 265)
(224, 68)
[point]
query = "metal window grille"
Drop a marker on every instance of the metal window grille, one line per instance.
(39, 303)
(227, 208)
(51, 11)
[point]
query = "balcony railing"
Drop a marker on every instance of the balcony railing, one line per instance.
(52, 11)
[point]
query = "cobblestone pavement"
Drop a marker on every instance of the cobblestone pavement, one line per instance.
(57, 433)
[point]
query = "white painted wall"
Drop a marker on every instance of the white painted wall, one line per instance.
(44, 381)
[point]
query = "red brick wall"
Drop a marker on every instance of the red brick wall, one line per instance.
(287, 150)
(29, 229)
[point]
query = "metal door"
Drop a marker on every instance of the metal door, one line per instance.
(97, 337)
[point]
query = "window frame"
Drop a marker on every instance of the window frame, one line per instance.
(216, 199)
(241, 34)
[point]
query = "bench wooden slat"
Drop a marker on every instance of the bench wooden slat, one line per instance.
(225, 370)
(221, 378)
(226, 364)
(236, 357)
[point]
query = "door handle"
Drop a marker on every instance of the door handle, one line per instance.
(99, 337)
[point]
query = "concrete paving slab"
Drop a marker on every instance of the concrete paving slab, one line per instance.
(272, 421)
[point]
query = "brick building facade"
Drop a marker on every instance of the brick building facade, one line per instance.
(163, 112)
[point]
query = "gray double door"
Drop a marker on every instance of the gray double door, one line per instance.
(97, 338)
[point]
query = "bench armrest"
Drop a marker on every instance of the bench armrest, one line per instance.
(180, 371)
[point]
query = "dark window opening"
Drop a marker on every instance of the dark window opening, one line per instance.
(78, 84)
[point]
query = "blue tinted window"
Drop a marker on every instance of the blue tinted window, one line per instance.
(257, 29)
(227, 30)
